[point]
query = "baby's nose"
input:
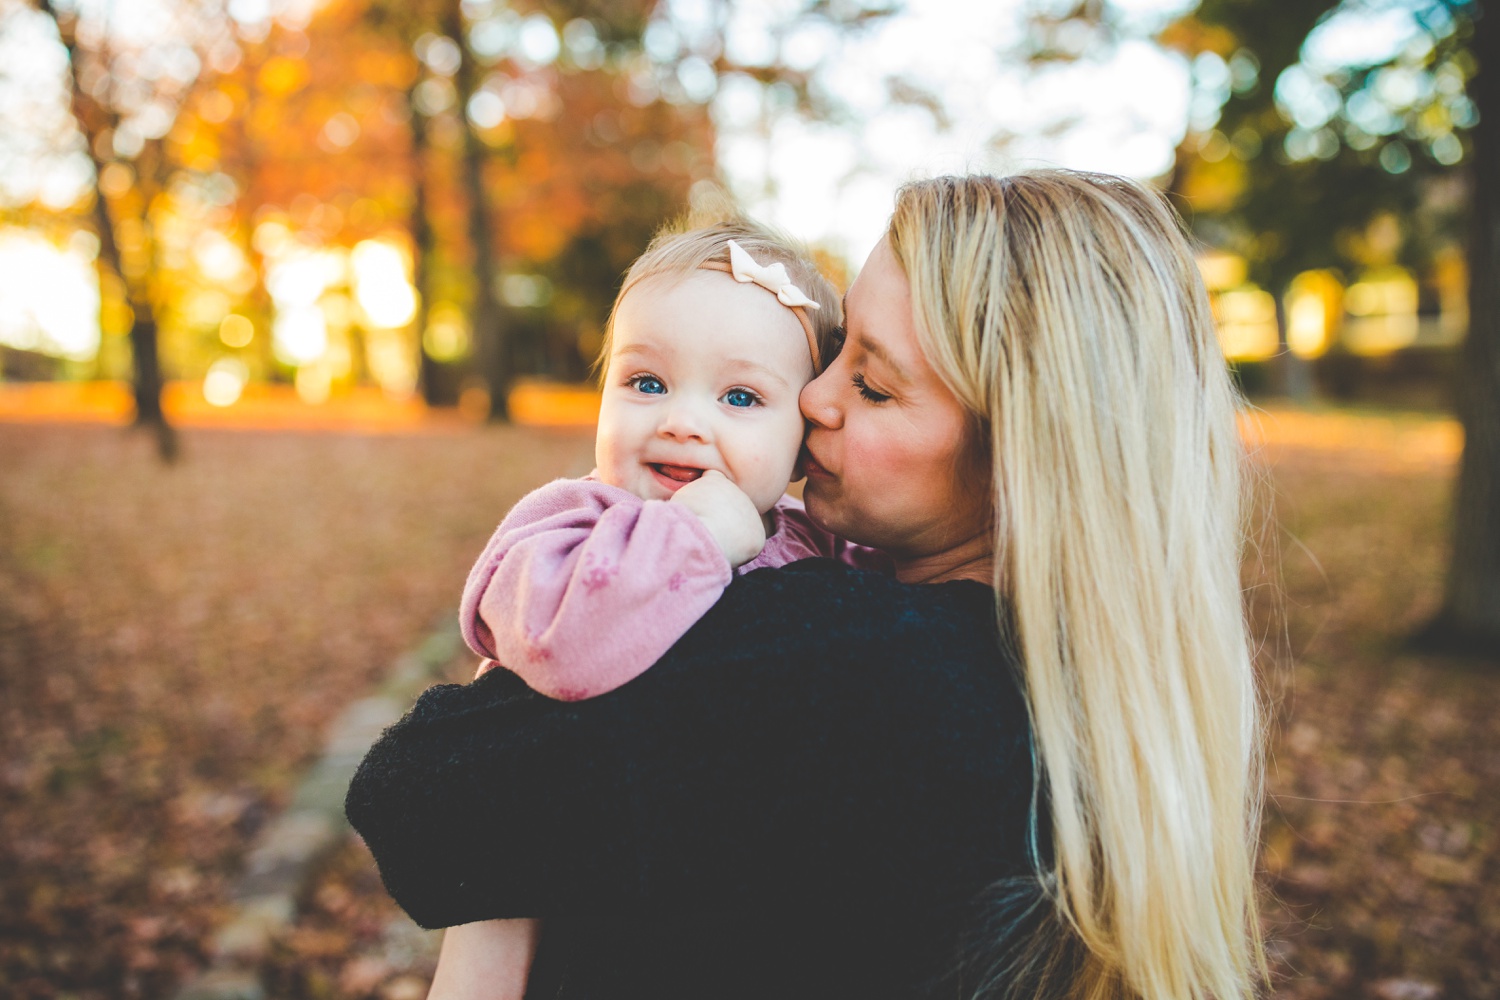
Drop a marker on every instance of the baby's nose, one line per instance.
(685, 419)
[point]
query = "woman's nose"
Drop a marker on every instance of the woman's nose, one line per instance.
(817, 402)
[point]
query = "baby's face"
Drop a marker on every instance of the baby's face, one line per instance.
(703, 373)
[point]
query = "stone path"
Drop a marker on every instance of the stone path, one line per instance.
(286, 856)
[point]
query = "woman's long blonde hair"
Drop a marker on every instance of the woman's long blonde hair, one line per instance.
(1066, 312)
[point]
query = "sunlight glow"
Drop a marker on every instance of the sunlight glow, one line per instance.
(380, 284)
(300, 335)
(296, 281)
(49, 297)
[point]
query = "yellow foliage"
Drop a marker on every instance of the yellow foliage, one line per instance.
(282, 75)
(1214, 187)
(386, 69)
(1191, 36)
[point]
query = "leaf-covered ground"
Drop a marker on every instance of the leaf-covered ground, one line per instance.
(171, 642)
(1382, 827)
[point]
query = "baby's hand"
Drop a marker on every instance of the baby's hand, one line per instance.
(728, 513)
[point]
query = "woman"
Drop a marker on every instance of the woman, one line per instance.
(1025, 766)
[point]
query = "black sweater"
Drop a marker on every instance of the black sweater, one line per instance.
(802, 798)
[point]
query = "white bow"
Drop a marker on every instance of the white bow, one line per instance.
(772, 278)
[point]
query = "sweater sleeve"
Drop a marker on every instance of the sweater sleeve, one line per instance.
(809, 738)
(797, 537)
(584, 586)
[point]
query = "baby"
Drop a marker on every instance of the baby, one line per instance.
(588, 582)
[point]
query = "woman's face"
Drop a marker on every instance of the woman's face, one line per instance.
(890, 456)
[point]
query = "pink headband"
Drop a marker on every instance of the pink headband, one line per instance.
(774, 279)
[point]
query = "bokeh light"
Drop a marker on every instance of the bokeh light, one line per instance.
(225, 381)
(236, 331)
(381, 286)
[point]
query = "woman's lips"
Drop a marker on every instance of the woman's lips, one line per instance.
(674, 477)
(810, 465)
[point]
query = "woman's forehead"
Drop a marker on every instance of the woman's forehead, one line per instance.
(878, 312)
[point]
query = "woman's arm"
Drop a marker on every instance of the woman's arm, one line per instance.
(811, 734)
(487, 960)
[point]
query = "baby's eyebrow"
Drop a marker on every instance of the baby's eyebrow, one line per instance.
(745, 364)
(634, 349)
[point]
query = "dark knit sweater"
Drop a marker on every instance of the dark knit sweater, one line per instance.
(803, 798)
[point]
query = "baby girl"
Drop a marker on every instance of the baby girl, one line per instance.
(588, 582)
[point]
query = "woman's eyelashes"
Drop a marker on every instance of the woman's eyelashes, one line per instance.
(870, 395)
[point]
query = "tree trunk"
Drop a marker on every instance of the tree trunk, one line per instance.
(420, 228)
(146, 363)
(1469, 621)
(262, 308)
(490, 343)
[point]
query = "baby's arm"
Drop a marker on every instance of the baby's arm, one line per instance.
(584, 585)
(488, 960)
(797, 537)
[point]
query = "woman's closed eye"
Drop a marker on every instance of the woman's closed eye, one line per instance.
(865, 391)
(742, 397)
(648, 384)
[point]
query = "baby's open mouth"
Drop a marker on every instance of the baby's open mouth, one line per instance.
(680, 473)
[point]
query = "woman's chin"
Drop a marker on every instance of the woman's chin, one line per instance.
(822, 509)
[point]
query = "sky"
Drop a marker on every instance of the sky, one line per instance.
(1124, 112)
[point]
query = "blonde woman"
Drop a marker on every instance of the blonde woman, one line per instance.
(1025, 765)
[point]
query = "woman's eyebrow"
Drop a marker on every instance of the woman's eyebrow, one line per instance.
(878, 350)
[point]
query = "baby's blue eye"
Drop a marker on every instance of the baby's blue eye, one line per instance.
(648, 384)
(740, 397)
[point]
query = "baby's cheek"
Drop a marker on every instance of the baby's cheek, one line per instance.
(772, 462)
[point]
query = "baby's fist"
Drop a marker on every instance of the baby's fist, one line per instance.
(728, 514)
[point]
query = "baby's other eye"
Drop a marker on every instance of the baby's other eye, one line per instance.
(649, 384)
(865, 391)
(740, 397)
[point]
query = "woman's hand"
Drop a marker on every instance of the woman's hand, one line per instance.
(728, 513)
(488, 960)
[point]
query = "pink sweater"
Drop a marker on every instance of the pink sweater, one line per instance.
(584, 586)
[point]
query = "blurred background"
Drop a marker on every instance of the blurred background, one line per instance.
(297, 296)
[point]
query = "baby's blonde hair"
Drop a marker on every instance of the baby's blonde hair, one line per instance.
(1066, 312)
(687, 244)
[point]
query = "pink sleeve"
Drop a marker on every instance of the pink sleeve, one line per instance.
(862, 557)
(797, 537)
(584, 586)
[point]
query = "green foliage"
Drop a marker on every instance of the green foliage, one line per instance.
(1304, 156)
